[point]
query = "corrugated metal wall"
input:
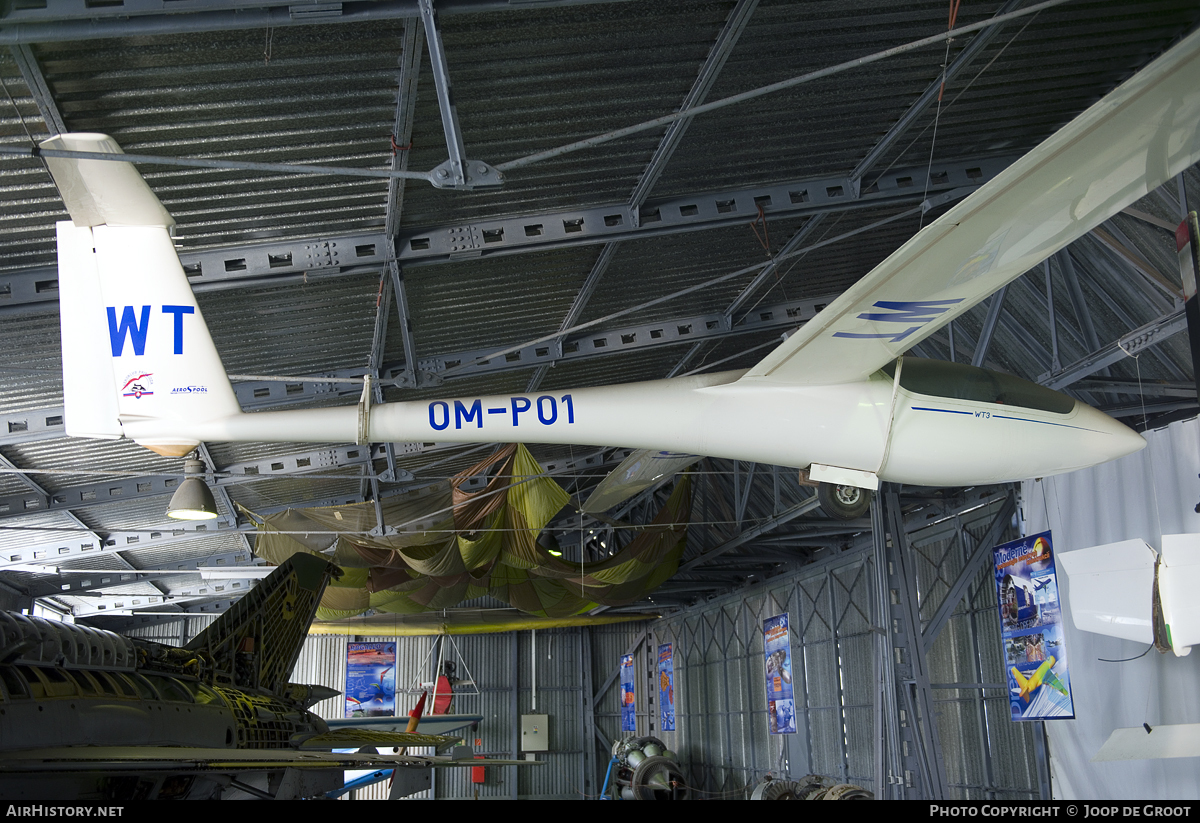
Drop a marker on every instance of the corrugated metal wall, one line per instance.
(721, 699)
(721, 704)
(501, 668)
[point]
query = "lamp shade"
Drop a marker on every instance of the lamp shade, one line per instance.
(192, 501)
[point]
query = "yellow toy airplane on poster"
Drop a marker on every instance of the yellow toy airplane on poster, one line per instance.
(1044, 676)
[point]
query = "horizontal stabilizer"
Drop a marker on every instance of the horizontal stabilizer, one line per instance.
(1111, 589)
(102, 192)
(357, 738)
(1141, 743)
(637, 472)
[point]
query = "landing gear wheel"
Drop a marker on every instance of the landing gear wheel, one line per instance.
(843, 502)
(657, 778)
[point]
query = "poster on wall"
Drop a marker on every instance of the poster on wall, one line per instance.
(777, 647)
(371, 680)
(666, 688)
(1039, 685)
(628, 706)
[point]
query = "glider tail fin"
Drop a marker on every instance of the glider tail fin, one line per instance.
(134, 343)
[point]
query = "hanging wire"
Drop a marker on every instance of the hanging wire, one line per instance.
(938, 114)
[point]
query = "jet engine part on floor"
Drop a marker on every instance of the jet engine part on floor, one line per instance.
(815, 787)
(647, 770)
(772, 789)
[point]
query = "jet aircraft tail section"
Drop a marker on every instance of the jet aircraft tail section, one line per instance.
(255, 643)
(134, 342)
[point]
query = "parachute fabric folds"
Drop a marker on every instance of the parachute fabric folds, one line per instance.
(447, 545)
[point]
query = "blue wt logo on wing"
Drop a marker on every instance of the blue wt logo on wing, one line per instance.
(915, 313)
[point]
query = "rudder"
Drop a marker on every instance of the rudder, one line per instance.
(134, 342)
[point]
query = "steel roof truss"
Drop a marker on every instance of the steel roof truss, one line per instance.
(735, 24)
(276, 262)
(35, 81)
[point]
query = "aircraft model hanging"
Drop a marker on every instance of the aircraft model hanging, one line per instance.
(89, 714)
(836, 398)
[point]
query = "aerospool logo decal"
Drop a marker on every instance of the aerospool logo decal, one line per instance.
(137, 385)
(190, 390)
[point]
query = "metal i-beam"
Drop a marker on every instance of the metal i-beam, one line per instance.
(406, 103)
(1119, 306)
(969, 572)
(139, 487)
(749, 534)
(1075, 293)
(441, 81)
(35, 81)
(1147, 387)
(1130, 345)
(933, 92)
(770, 269)
(185, 594)
(409, 377)
(72, 582)
(735, 24)
(925, 774)
(576, 310)
(286, 261)
(1112, 238)
(77, 545)
(1051, 320)
(70, 20)
(989, 327)
(689, 212)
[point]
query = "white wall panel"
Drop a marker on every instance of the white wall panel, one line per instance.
(1144, 495)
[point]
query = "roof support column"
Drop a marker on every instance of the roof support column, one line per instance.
(735, 24)
(441, 82)
(924, 776)
(928, 96)
(406, 104)
(410, 376)
(989, 327)
(36, 82)
(577, 306)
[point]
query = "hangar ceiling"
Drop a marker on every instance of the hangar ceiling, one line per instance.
(681, 247)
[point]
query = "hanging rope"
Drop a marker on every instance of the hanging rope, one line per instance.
(764, 239)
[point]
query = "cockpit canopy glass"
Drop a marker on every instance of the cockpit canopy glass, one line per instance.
(959, 381)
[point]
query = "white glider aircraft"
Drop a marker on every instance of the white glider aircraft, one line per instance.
(836, 398)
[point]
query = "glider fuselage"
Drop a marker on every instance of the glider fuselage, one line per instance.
(945, 424)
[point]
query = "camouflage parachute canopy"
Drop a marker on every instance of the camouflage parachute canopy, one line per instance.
(446, 545)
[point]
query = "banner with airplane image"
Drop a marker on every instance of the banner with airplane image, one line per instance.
(371, 680)
(1035, 656)
(781, 702)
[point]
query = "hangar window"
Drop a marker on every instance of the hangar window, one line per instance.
(958, 381)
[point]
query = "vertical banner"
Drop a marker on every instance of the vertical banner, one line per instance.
(777, 647)
(371, 680)
(628, 704)
(1039, 686)
(666, 688)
